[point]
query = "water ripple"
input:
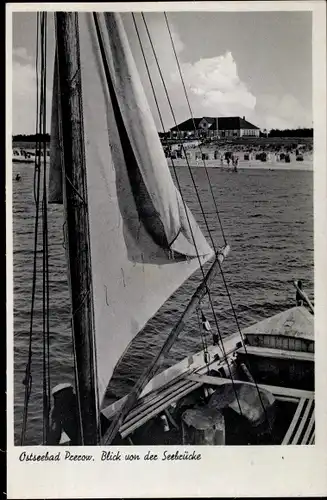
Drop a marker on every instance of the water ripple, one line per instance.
(268, 220)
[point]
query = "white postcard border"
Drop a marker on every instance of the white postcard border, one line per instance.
(222, 471)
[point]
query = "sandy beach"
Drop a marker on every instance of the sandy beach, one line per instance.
(306, 165)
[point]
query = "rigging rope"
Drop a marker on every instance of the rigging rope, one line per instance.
(163, 128)
(217, 211)
(28, 375)
(242, 339)
(160, 116)
(192, 116)
(46, 328)
(201, 207)
(40, 67)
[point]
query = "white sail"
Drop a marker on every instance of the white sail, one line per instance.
(142, 246)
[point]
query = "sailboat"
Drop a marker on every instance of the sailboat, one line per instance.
(131, 241)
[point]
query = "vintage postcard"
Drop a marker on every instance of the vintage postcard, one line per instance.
(166, 241)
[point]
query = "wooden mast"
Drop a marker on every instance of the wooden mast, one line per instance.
(77, 222)
(150, 371)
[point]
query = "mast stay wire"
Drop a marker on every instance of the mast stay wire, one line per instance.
(28, 380)
(163, 128)
(161, 121)
(217, 211)
(192, 117)
(40, 73)
(46, 326)
(203, 214)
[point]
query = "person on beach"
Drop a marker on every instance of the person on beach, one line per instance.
(235, 163)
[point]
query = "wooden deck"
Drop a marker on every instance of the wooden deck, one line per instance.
(160, 401)
(165, 389)
(296, 322)
(146, 411)
(302, 428)
(275, 390)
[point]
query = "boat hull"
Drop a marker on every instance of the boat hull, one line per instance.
(281, 359)
(279, 351)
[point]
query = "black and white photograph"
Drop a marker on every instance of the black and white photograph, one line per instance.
(163, 243)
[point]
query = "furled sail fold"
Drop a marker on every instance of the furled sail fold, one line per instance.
(144, 241)
(55, 174)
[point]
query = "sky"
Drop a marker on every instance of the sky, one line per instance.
(252, 64)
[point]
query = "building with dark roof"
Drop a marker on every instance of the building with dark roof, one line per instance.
(215, 127)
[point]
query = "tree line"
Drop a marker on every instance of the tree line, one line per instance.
(298, 132)
(32, 137)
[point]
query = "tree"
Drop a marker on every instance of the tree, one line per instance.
(31, 137)
(299, 132)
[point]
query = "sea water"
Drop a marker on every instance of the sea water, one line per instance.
(267, 218)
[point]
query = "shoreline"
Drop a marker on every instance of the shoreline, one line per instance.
(306, 165)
